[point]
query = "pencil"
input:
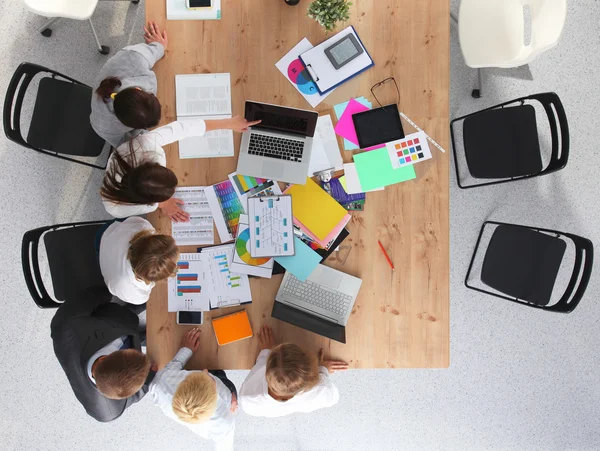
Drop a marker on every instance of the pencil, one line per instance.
(386, 256)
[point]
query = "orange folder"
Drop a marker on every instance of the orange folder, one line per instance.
(233, 327)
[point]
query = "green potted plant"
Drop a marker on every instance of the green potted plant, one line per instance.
(329, 12)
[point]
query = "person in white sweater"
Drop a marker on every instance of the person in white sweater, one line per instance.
(204, 401)
(133, 257)
(287, 380)
(137, 180)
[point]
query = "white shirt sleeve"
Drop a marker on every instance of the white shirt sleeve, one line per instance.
(126, 210)
(326, 393)
(176, 131)
(180, 360)
(252, 385)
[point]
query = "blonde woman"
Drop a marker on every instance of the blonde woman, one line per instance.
(133, 257)
(204, 401)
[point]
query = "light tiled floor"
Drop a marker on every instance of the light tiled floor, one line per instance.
(519, 379)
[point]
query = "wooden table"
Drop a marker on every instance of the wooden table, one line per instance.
(401, 318)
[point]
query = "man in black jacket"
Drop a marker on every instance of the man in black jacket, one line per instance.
(98, 345)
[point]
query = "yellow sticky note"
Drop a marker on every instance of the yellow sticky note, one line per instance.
(315, 209)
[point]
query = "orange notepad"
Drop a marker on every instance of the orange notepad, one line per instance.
(233, 327)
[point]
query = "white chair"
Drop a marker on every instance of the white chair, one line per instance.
(492, 32)
(68, 9)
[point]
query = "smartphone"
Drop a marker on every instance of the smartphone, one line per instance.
(190, 318)
(197, 4)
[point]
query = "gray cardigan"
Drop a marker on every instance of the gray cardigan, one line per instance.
(133, 66)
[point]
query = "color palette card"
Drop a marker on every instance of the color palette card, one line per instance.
(226, 208)
(339, 110)
(375, 170)
(303, 263)
(411, 149)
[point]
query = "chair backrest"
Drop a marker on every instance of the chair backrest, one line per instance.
(72, 260)
(15, 95)
(492, 32)
(70, 9)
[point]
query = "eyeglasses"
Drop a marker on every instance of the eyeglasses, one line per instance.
(387, 82)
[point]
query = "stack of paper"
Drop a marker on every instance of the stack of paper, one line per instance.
(325, 150)
(316, 213)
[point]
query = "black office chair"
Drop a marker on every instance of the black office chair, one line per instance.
(522, 264)
(72, 260)
(502, 142)
(60, 124)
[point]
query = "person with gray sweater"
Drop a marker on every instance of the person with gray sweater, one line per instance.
(125, 103)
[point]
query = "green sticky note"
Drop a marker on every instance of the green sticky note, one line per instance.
(343, 183)
(375, 170)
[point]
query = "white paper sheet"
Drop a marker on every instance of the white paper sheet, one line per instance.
(325, 150)
(293, 69)
(204, 279)
(352, 180)
(242, 261)
(200, 228)
(271, 226)
(177, 10)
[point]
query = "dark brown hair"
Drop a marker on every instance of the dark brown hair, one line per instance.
(290, 370)
(127, 182)
(122, 374)
(133, 107)
(153, 257)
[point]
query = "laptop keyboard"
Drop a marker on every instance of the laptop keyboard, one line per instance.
(317, 295)
(274, 147)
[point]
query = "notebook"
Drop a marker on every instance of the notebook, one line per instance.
(323, 73)
(204, 96)
(315, 209)
(231, 328)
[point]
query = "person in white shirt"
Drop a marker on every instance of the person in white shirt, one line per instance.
(286, 380)
(133, 257)
(137, 180)
(204, 401)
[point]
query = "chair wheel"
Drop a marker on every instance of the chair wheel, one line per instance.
(476, 94)
(46, 32)
(135, 2)
(105, 50)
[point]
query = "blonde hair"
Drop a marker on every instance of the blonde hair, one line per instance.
(122, 374)
(195, 399)
(153, 257)
(290, 370)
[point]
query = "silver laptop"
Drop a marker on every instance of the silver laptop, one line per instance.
(321, 304)
(278, 148)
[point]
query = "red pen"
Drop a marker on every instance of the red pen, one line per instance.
(386, 256)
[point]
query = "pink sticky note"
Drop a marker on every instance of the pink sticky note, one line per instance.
(345, 126)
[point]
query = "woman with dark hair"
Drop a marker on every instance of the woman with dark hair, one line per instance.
(137, 180)
(125, 103)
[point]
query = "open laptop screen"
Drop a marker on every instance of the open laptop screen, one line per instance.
(307, 321)
(282, 119)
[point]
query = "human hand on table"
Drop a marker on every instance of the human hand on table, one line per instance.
(152, 34)
(172, 208)
(331, 365)
(265, 337)
(191, 339)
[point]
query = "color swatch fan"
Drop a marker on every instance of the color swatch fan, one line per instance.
(243, 262)
(411, 149)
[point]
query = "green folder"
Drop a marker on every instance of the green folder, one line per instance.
(375, 170)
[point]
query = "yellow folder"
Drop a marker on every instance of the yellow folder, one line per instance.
(315, 209)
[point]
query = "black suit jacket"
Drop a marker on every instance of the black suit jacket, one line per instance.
(79, 329)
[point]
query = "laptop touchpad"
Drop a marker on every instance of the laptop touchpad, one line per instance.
(328, 278)
(273, 169)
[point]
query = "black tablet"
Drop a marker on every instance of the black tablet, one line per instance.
(378, 126)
